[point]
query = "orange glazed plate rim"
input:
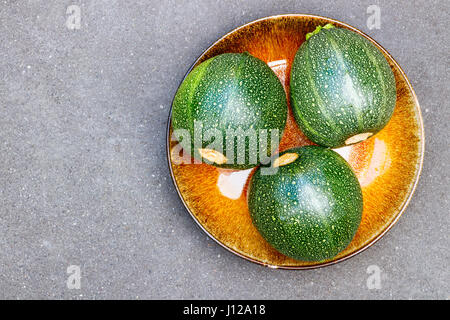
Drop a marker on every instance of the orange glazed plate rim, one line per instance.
(421, 136)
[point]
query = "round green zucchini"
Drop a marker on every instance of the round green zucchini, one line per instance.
(342, 88)
(311, 208)
(228, 109)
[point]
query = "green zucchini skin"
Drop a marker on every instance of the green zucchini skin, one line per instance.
(311, 208)
(341, 86)
(231, 91)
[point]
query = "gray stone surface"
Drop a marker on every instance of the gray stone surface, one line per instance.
(83, 173)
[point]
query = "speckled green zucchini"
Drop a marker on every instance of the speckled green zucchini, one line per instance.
(342, 88)
(311, 208)
(230, 92)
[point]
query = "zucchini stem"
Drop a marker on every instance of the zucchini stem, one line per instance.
(318, 28)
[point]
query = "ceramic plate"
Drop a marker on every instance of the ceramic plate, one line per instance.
(387, 165)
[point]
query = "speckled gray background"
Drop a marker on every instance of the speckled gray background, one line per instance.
(83, 173)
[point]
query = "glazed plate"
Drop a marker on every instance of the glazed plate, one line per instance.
(387, 165)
